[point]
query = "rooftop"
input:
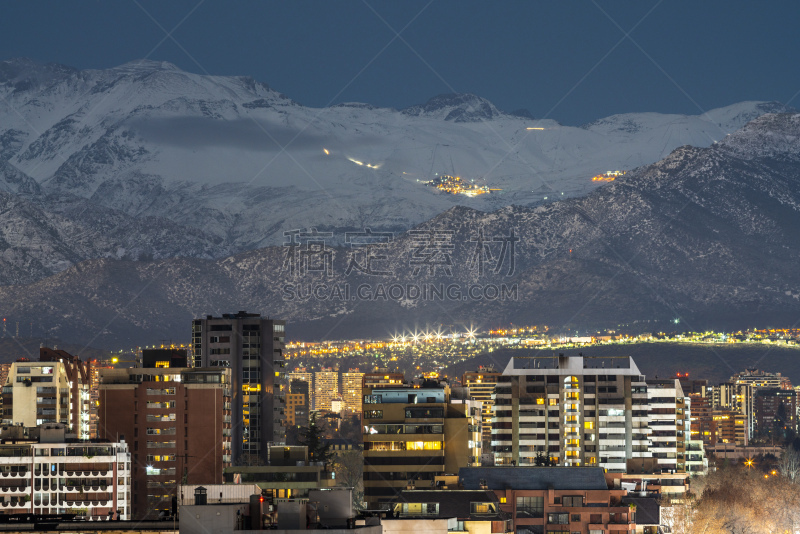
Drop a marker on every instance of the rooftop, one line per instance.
(533, 478)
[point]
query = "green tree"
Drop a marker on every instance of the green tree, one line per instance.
(312, 437)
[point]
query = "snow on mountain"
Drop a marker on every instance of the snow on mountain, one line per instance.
(710, 235)
(234, 164)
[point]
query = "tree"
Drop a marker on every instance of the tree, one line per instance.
(789, 465)
(349, 469)
(312, 437)
(543, 461)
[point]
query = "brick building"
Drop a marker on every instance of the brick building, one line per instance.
(177, 423)
(553, 499)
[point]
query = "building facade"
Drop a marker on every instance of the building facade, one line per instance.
(252, 347)
(178, 425)
(37, 393)
(554, 499)
(414, 434)
(571, 410)
(669, 422)
(481, 384)
(91, 480)
(352, 382)
(326, 389)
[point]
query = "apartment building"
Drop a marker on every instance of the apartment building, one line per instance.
(414, 433)
(670, 424)
(50, 391)
(382, 378)
(352, 382)
(79, 376)
(762, 379)
(326, 389)
(59, 475)
(481, 384)
(178, 425)
(738, 398)
(554, 499)
(775, 411)
(572, 410)
(252, 347)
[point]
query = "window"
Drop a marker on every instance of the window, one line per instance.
(483, 508)
(23, 370)
(574, 500)
(373, 399)
(558, 519)
(575, 518)
(552, 402)
(530, 506)
(417, 508)
(373, 414)
(161, 405)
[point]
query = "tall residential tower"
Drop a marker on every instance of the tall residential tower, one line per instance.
(252, 347)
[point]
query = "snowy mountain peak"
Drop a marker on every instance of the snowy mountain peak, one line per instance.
(457, 107)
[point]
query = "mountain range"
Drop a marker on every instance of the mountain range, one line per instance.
(708, 236)
(146, 161)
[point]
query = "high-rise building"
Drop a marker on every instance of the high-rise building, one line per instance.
(775, 411)
(51, 391)
(79, 378)
(587, 411)
(574, 410)
(669, 424)
(326, 388)
(481, 384)
(177, 422)
(352, 382)
(413, 434)
(762, 379)
(738, 398)
(252, 347)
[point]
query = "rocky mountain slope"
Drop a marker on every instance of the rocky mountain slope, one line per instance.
(148, 161)
(709, 235)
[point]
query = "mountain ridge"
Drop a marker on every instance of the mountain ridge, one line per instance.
(707, 235)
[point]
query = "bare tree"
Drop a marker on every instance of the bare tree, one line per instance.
(349, 469)
(789, 465)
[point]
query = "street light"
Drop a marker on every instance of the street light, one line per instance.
(749, 463)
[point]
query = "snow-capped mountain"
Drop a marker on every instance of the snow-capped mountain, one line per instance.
(708, 235)
(217, 165)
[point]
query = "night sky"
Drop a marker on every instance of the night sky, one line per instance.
(569, 61)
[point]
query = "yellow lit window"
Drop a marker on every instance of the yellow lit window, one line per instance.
(588, 425)
(592, 460)
(572, 419)
(423, 445)
(573, 443)
(571, 453)
(553, 402)
(539, 401)
(502, 500)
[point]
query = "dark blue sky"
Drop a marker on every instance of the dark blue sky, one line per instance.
(553, 58)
